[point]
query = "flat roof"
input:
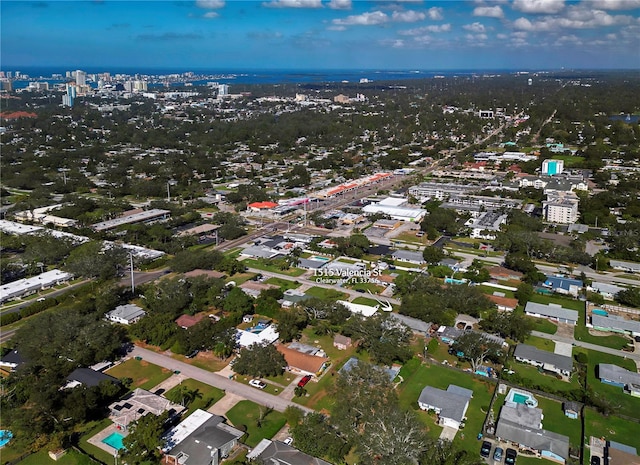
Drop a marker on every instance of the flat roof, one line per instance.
(22, 286)
(134, 218)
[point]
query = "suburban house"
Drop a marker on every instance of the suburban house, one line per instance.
(278, 453)
(629, 381)
(139, 403)
(88, 378)
(549, 361)
(302, 363)
(267, 335)
(450, 405)
(187, 321)
(620, 454)
(341, 342)
(563, 285)
(553, 312)
(631, 267)
(408, 256)
(522, 425)
(615, 325)
(125, 314)
(201, 439)
(391, 371)
(606, 290)
(501, 273)
(504, 304)
(12, 360)
(417, 326)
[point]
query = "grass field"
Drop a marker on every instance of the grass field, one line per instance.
(541, 343)
(543, 325)
(284, 284)
(546, 382)
(612, 428)
(555, 420)
(144, 374)
(247, 413)
(417, 375)
(91, 430)
(365, 301)
(210, 394)
(325, 293)
(72, 457)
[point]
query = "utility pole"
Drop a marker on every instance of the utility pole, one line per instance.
(133, 283)
(168, 193)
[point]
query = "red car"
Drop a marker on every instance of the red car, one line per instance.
(303, 382)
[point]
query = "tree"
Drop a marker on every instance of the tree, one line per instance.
(523, 293)
(315, 436)
(237, 301)
(476, 348)
(91, 261)
(386, 339)
(290, 323)
(259, 360)
(433, 255)
(629, 297)
(144, 440)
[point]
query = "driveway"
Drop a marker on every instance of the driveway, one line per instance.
(448, 433)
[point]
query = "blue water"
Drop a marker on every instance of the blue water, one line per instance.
(201, 76)
(114, 440)
(625, 118)
(5, 437)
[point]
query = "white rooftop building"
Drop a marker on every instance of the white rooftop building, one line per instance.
(26, 286)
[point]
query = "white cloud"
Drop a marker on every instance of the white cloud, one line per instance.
(538, 6)
(435, 13)
(409, 16)
(423, 40)
(476, 37)
(294, 4)
(475, 27)
(210, 4)
(210, 15)
(488, 11)
(422, 30)
(614, 4)
(576, 18)
(502, 36)
(612, 37)
(365, 19)
(339, 4)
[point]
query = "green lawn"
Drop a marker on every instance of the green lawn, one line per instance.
(417, 375)
(247, 413)
(210, 394)
(622, 402)
(541, 343)
(612, 428)
(374, 288)
(566, 302)
(92, 429)
(144, 374)
(325, 293)
(284, 284)
(252, 263)
(543, 325)
(555, 420)
(365, 301)
(544, 382)
(270, 389)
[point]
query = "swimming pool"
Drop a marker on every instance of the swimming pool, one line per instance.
(114, 440)
(521, 397)
(319, 258)
(5, 437)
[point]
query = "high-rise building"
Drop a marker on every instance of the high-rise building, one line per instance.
(561, 207)
(81, 78)
(67, 100)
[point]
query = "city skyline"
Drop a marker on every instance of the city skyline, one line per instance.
(323, 34)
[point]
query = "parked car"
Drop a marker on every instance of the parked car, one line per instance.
(595, 460)
(485, 450)
(497, 454)
(303, 382)
(256, 383)
(510, 456)
(288, 441)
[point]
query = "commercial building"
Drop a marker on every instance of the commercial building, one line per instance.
(28, 286)
(133, 217)
(440, 191)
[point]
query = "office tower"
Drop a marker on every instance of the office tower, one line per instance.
(223, 89)
(81, 78)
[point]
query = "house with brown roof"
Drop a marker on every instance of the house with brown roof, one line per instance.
(504, 274)
(206, 273)
(298, 362)
(341, 342)
(504, 304)
(187, 321)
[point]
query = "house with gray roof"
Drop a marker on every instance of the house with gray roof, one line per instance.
(88, 377)
(450, 405)
(522, 425)
(125, 314)
(618, 376)
(615, 324)
(416, 325)
(631, 267)
(408, 256)
(201, 439)
(549, 361)
(278, 453)
(552, 311)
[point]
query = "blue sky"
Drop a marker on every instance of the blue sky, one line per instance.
(313, 34)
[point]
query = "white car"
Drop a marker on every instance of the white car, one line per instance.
(288, 441)
(256, 383)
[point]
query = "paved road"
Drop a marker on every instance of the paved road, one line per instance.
(586, 345)
(214, 379)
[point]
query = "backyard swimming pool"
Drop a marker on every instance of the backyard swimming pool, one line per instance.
(114, 440)
(319, 259)
(521, 397)
(5, 437)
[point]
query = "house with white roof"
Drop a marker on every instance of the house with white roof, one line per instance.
(552, 311)
(125, 314)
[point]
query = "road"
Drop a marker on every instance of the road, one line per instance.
(586, 345)
(216, 380)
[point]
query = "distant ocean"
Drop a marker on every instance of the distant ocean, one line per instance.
(252, 76)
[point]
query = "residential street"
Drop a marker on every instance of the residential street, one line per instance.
(214, 379)
(586, 345)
